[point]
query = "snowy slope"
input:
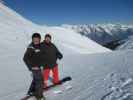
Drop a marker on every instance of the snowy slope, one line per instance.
(15, 27)
(103, 33)
(106, 76)
(127, 44)
(15, 35)
(69, 40)
(97, 76)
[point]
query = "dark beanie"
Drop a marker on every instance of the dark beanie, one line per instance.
(36, 35)
(48, 35)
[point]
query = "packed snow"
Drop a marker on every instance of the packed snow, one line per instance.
(105, 76)
(128, 44)
(98, 73)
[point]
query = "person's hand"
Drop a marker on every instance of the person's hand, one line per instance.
(35, 68)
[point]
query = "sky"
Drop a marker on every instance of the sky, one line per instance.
(58, 12)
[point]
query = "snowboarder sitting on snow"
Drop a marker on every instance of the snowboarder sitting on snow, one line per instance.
(50, 56)
(33, 60)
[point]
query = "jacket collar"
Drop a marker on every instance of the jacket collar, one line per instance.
(35, 46)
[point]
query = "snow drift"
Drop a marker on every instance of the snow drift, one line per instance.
(106, 76)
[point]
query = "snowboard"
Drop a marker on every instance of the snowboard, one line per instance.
(65, 88)
(62, 81)
(66, 79)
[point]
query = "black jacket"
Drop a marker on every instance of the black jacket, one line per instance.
(50, 54)
(33, 56)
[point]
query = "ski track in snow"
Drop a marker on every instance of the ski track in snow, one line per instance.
(108, 82)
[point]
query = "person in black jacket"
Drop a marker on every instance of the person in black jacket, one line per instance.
(50, 56)
(33, 60)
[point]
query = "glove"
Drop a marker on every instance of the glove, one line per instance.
(35, 68)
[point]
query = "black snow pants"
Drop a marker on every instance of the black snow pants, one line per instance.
(36, 87)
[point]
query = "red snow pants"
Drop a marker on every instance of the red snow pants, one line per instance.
(55, 75)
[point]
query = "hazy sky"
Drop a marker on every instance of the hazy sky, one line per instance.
(56, 12)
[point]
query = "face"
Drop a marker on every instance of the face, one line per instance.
(47, 40)
(36, 41)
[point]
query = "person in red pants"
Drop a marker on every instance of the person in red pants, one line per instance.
(50, 56)
(55, 75)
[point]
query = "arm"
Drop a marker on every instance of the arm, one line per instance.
(27, 57)
(59, 54)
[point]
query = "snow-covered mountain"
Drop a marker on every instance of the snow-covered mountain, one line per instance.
(97, 73)
(103, 33)
(126, 44)
(15, 28)
(15, 34)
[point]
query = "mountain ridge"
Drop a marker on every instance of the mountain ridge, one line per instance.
(103, 33)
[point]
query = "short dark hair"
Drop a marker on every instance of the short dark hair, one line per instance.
(48, 35)
(36, 35)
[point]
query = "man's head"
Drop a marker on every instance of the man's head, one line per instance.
(48, 38)
(36, 38)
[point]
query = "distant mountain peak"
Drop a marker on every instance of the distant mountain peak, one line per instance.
(103, 33)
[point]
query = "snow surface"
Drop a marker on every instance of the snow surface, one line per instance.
(128, 44)
(106, 76)
(15, 36)
(97, 73)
